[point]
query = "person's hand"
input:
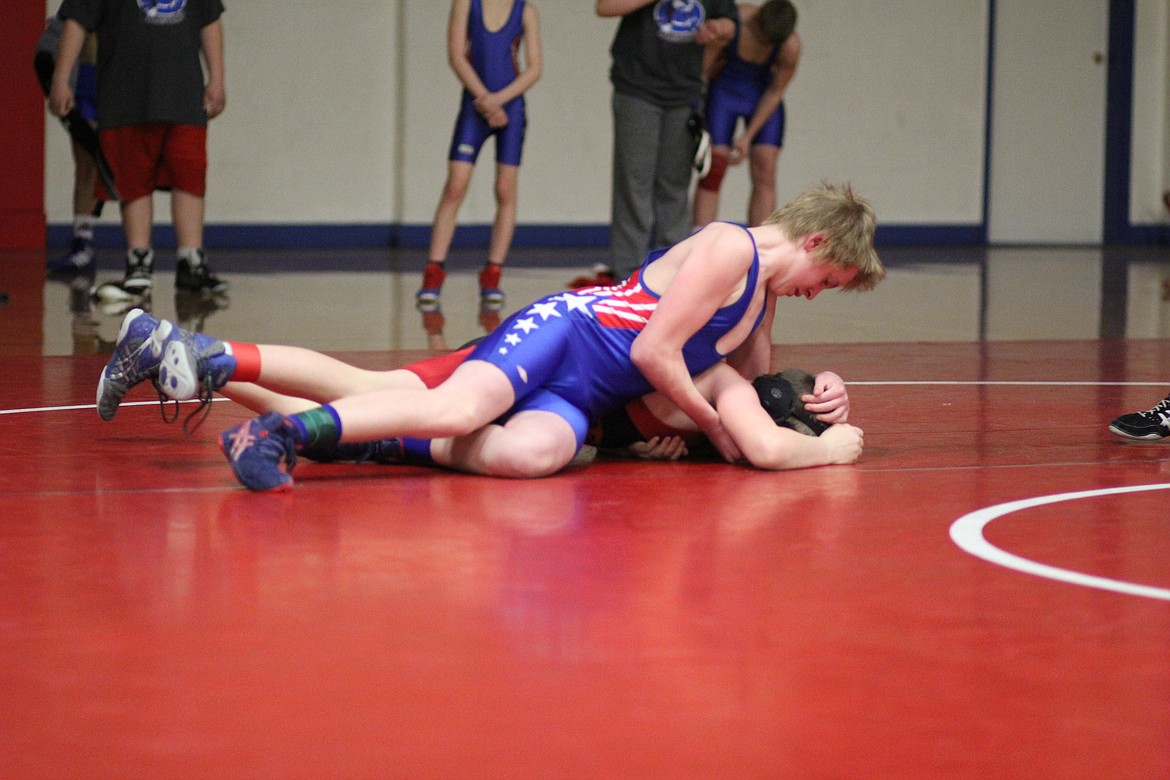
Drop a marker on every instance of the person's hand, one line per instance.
(844, 443)
(715, 31)
(738, 152)
(61, 99)
(498, 119)
(214, 100)
(660, 448)
(723, 442)
(488, 104)
(829, 401)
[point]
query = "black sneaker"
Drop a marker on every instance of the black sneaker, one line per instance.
(137, 282)
(195, 275)
(78, 261)
(1151, 424)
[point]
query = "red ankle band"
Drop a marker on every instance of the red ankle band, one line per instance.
(247, 362)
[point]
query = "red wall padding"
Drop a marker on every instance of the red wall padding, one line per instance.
(22, 159)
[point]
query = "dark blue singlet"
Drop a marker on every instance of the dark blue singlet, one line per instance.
(493, 56)
(735, 92)
(569, 353)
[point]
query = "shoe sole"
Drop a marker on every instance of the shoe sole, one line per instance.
(222, 287)
(178, 373)
(114, 293)
(1146, 437)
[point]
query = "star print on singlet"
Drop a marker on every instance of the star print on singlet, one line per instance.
(627, 307)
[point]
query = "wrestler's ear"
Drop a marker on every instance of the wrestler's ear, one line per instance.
(812, 243)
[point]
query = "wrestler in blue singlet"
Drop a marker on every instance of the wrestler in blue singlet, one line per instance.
(735, 92)
(493, 55)
(569, 353)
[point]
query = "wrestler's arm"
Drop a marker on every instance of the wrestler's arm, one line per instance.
(534, 64)
(766, 445)
(753, 358)
(712, 266)
(458, 54)
(783, 69)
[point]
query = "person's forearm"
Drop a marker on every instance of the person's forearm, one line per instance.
(783, 449)
(668, 375)
(68, 50)
(211, 38)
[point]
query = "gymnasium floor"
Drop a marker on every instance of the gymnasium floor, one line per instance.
(985, 595)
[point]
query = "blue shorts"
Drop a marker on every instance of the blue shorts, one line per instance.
(725, 108)
(563, 364)
(472, 130)
(85, 91)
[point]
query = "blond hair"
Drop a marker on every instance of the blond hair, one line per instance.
(846, 225)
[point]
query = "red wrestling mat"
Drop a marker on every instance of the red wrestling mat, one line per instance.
(622, 620)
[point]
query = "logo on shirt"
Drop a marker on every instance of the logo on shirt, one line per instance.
(163, 11)
(679, 20)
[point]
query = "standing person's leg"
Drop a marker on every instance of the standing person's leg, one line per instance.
(132, 152)
(85, 212)
(185, 169)
(137, 221)
(762, 201)
(706, 206)
(722, 115)
(765, 153)
(443, 231)
(635, 152)
(672, 179)
(503, 228)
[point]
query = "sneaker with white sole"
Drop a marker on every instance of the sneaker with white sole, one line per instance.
(1148, 425)
(137, 281)
(78, 261)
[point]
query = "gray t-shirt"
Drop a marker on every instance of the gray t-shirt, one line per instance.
(655, 56)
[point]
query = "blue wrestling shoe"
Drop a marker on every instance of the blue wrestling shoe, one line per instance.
(193, 365)
(255, 450)
(136, 358)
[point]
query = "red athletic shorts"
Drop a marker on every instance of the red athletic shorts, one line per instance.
(155, 156)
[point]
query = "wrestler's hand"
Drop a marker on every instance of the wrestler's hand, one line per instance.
(829, 401)
(739, 150)
(488, 104)
(715, 31)
(660, 448)
(844, 443)
(723, 442)
(498, 119)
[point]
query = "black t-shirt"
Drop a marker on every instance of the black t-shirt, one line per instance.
(655, 56)
(149, 68)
